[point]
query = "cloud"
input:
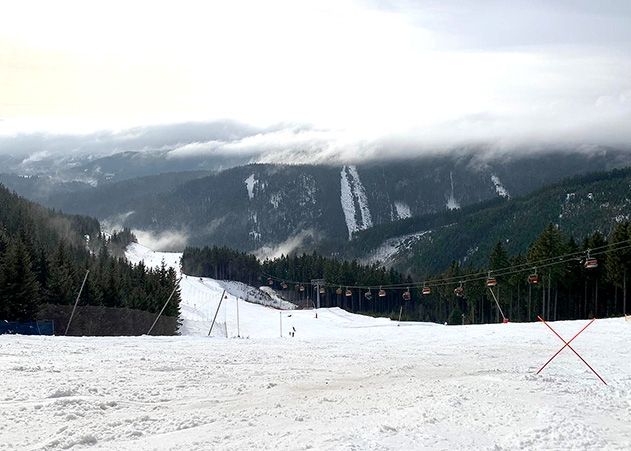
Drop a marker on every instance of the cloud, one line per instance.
(167, 241)
(288, 246)
(386, 79)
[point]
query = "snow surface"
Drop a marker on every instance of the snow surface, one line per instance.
(403, 210)
(352, 192)
(389, 249)
(137, 253)
(344, 382)
(499, 188)
(452, 203)
(201, 296)
(249, 184)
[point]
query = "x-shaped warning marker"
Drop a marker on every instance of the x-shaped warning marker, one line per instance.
(567, 345)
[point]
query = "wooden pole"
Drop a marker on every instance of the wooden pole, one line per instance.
(77, 301)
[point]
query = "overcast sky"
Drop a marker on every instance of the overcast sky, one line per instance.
(421, 73)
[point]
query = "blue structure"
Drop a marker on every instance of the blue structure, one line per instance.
(30, 328)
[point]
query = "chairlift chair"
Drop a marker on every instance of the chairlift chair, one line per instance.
(426, 291)
(407, 295)
(368, 295)
(348, 293)
(382, 293)
(459, 291)
(591, 263)
(533, 279)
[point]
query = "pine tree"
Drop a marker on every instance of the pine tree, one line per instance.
(19, 289)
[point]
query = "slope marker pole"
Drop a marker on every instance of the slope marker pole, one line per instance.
(87, 271)
(504, 319)
(177, 284)
(216, 313)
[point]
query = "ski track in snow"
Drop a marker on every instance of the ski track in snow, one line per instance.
(352, 191)
(499, 188)
(344, 382)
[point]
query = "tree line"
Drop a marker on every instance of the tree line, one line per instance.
(567, 290)
(44, 256)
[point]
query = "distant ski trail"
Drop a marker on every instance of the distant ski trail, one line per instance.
(354, 201)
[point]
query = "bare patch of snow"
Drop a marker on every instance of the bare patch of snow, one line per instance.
(389, 249)
(275, 200)
(452, 203)
(250, 182)
(499, 188)
(352, 193)
(402, 210)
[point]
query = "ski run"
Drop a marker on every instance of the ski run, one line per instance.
(343, 381)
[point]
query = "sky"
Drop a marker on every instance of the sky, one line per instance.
(325, 74)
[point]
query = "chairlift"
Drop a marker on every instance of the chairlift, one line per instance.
(339, 291)
(591, 263)
(382, 293)
(348, 293)
(322, 290)
(533, 279)
(270, 282)
(302, 288)
(284, 285)
(491, 282)
(368, 295)
(459, 291)
(407, 295)
(426, 290)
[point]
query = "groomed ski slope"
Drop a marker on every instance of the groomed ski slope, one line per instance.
(200, 298)
(344, 382)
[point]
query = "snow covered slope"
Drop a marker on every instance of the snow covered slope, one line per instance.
(370, 386)
(354, 201)
(257, 318)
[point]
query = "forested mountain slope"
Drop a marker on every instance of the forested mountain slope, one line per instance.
(268, 207)
(579, 206)
(44, 256)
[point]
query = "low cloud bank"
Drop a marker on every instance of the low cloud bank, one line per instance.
(286, 247)
(167, 241)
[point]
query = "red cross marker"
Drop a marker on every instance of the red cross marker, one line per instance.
(567, 345)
